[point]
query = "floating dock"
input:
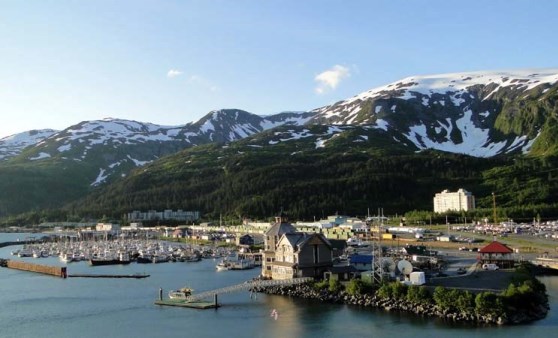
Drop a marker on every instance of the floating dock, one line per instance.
(86, 275)
(183, 303)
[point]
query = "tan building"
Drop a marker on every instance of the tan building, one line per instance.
(271, 238)
(301, 255)
(462, 200)
(288, 253)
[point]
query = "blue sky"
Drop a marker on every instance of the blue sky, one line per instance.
(171, 62)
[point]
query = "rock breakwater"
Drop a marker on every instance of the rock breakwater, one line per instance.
(307, 291)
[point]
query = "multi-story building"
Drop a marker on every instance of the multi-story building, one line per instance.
(301, 255)
(289, 253)
(462, 200)
(153, 215)
(271, 239)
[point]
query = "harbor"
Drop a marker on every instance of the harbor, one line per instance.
(46, 305)
(125, 251)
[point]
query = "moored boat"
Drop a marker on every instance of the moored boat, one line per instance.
(223, 265)
(183, 293)
(144, 259)
(122, 259)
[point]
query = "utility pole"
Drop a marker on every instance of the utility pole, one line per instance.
(377, 272)
(494, 208)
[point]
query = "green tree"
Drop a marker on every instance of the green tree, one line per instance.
(488, 303)
(418, 294)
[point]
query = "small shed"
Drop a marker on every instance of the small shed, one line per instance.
(497, 253)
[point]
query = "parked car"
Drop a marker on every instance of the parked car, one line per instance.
(490, 266)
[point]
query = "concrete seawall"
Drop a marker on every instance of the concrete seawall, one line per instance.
(44, 269)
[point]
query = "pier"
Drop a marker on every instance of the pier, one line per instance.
(56, 271)
(88, 275)
(197, 300)
(247, 286)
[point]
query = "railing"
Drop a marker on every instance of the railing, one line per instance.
(247, 286)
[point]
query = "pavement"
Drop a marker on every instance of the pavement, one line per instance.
(474, 279)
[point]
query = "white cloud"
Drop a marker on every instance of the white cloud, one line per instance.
(330, 79)
(173, 73)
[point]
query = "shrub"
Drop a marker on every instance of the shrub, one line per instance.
(356, 287)
(488, 303)
(399, 290)
(394, 290)
(527, 294)
(418, 294)
(321, 285)
(441, 297)
(334, 285)
(465, 301)
(384, 291)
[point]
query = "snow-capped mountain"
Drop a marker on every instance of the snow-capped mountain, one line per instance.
(115, 146)
(482, 114)
(461, 112)
(13, 145)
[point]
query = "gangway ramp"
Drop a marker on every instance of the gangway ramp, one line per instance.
(247, 286)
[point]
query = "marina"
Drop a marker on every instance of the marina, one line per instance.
(117, 252)
(38, 306)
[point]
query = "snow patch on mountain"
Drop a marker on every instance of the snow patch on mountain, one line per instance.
(138, 163)
(381, 124)
(100, 178)
(291, 118)
(64, 148)
(476, 141)
(12, 145)
(320, 143)
(207, 126)
(39, 157)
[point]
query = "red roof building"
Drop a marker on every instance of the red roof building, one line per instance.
(497, 253)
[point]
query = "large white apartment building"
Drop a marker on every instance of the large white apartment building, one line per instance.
(454, 201)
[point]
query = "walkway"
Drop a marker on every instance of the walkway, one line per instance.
(247, 286)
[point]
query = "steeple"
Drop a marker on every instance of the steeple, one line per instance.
(282, 217)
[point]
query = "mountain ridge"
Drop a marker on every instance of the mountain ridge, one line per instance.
(484, 116)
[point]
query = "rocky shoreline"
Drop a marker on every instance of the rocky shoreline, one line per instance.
(307, 291)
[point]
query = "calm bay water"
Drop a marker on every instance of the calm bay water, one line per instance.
(34, 305)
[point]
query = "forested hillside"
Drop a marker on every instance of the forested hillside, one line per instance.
(256, 184)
